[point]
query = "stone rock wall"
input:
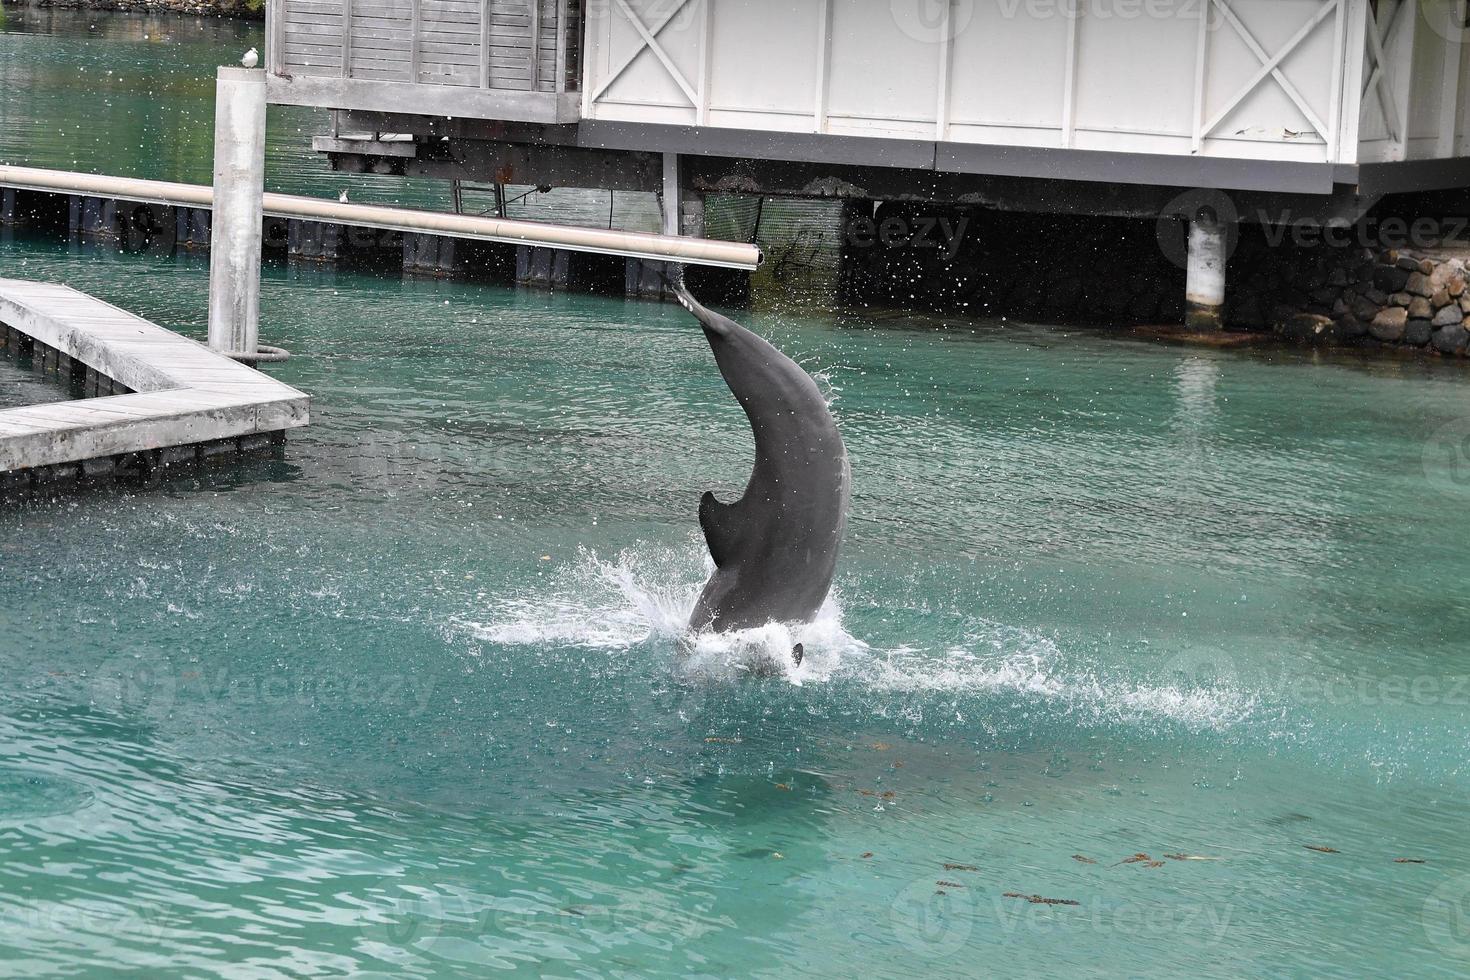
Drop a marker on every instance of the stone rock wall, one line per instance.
(1411, 298)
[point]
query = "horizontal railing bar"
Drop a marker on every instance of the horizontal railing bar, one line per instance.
(601, 241)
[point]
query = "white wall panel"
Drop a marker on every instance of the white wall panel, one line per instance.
(1008, 70)
(1136, 74)
(999, 75)
(764, 57)
(893, 85)
(1426, 86)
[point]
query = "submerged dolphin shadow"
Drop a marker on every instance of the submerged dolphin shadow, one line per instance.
(775, 549)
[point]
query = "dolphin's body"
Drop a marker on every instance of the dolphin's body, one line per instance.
(775, 549)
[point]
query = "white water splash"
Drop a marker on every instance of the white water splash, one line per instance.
(645, 596)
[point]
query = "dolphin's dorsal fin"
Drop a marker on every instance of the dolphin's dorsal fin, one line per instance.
(721, 527)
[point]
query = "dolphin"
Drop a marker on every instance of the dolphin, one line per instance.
(775, 548)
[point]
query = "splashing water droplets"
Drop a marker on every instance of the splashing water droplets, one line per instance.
(641, 601)
(644, 597)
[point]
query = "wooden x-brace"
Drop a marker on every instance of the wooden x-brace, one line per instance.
(1271, 65)
(1378, 78)
(649, 41)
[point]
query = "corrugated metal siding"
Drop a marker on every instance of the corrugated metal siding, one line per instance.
(801, 234)
(731, 217)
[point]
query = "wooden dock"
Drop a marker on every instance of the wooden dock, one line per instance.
(154, 397)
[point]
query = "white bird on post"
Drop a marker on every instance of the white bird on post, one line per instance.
(251, 59)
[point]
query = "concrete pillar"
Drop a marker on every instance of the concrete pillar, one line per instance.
(239, 183)
(1204, 287)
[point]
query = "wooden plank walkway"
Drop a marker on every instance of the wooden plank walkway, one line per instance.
(182, 393)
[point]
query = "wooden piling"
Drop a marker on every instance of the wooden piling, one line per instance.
(646, 280)
(542, 268)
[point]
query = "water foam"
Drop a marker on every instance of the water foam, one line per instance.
(1030, 668)
(644, 596)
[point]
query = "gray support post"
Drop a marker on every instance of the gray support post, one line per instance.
(543, 268)
(671, 198)
(91, 216)
(692, 214)
(108, 225)
(201, 223)
(645, 279)
(331, 242)
(239, 183)
(1204, 288)
(163, 235)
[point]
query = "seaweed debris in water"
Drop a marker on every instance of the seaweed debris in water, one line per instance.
(1038, 900)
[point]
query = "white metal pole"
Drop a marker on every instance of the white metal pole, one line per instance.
(643, 245)
(239, 187)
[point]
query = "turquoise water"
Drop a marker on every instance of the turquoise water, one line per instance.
(411, 699)
(21, 386)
